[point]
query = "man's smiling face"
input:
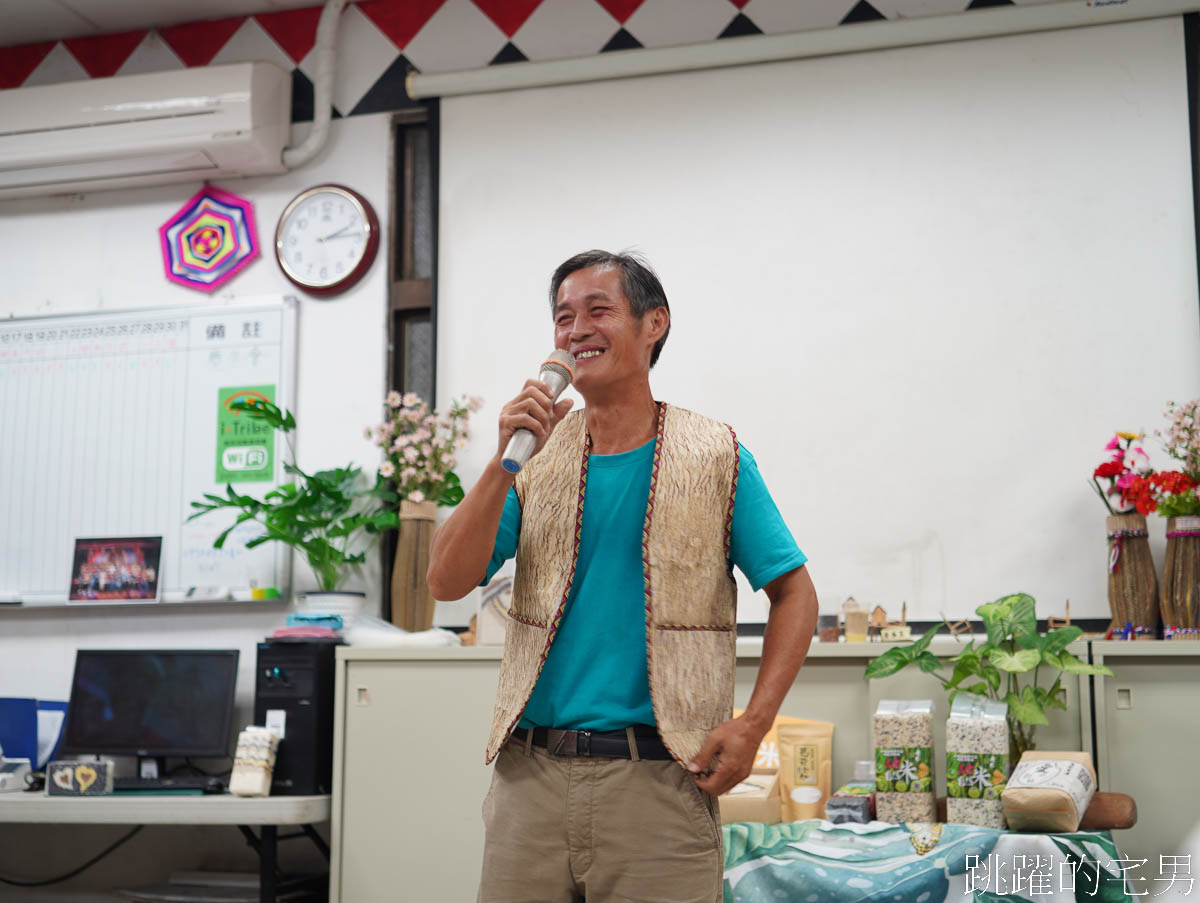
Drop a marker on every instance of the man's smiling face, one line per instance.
(593, 320)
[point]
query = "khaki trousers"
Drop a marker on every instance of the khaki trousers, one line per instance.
(564, 829)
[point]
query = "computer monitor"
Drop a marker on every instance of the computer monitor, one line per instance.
(151, 703)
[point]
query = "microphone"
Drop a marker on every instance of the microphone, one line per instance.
(557, 372)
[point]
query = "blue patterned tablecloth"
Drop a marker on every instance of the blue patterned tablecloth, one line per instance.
(818, 862)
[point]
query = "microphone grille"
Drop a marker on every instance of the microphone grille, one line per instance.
(562, 360)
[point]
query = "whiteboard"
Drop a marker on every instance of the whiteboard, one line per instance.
(925, 285)
(111, 430)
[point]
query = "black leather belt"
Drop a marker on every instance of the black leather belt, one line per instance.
(613, 744)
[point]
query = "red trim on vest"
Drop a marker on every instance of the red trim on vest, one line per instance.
(658, 447)
(737, 460)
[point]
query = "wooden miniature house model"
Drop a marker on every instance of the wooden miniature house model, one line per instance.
(877, 623)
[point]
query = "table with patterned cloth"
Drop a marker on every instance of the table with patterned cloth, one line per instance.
(818, 862)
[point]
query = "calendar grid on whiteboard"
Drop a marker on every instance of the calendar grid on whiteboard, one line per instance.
(111, 430)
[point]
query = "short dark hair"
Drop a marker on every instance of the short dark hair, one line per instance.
(639, 282)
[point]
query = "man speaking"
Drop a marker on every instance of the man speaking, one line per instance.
(612, 733)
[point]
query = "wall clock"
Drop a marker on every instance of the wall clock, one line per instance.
(326, 239)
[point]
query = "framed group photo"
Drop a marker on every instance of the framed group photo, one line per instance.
(115, 569)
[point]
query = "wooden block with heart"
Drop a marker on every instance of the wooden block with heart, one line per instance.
(79, 778)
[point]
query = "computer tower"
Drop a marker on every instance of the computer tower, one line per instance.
(294, 685)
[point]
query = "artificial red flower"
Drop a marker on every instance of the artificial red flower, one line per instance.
(1173, 482)
(1109, 469)
(1140, 493)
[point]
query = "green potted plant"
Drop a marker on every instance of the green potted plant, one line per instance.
(329, 515)
(1007, 667)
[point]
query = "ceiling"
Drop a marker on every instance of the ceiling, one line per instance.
(26, 22)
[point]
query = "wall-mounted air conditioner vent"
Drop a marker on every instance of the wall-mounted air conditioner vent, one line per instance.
(203, 123)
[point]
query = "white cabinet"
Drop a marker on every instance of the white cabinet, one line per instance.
(410, 729)
(1147, 740)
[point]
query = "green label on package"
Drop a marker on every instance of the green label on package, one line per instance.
(245, 446)
(976, 776)
(907, 770)
(856, 788)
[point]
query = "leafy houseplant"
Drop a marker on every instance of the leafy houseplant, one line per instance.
(322, 514)
(994, 669)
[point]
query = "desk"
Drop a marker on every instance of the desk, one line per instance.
(266, 813)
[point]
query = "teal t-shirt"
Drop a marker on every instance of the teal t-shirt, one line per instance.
(595, 674)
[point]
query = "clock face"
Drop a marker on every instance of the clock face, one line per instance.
(326, 239)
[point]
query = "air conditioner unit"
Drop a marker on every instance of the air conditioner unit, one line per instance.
(204, 123)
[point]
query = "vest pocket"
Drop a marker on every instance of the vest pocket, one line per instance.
(691, 675)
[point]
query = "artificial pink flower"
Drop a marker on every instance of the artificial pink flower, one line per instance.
(1113, 443)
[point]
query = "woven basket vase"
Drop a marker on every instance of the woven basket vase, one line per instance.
(412, 602)
(1181, 573)
(1132, 584)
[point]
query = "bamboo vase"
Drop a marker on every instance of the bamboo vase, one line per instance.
(412, 603)
(1132, 584)
(1181, 573)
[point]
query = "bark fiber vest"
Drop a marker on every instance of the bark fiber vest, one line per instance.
(690, 594)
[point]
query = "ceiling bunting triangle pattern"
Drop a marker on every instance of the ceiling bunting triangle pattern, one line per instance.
(622, 40)
(509, 15)
(372, 69)
(509, 53)
(196, 43)
(17, 63)
(294, 30)
(621, 10)
(400, 21)
(862, 12)
(103, 55)
(739, 27)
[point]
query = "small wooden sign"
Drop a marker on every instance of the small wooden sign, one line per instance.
(79, 778)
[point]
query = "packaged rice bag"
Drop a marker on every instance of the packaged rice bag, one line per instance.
(976, 761)
(904, 761)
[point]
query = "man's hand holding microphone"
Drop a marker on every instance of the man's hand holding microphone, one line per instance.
(527, 421)
(463, 544)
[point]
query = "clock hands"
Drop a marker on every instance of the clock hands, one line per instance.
(340, 233)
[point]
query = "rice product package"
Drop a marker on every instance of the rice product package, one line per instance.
(904, 761)
(768, 748)
(852, 802)
(855, 800)
(1049, 791)
(805, 768)
(976, 761)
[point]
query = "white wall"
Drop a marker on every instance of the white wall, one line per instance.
(925, 285)
(101, 252)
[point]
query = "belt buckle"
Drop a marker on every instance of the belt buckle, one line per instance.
(569, 743)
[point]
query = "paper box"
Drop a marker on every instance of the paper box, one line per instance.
(755, 799)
